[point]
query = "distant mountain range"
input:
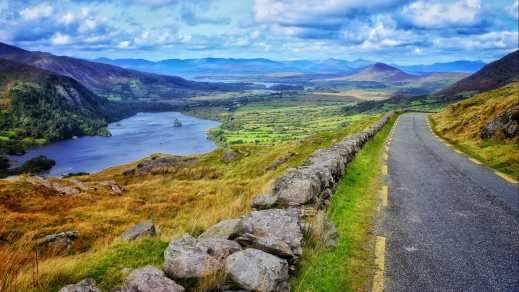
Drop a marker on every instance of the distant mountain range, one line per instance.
(492, 76)
(222, 66)
(110, 81)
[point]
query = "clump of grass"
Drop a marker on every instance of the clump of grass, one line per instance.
(348, 267)
(461, 124)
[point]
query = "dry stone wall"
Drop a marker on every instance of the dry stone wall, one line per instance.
(260, 250)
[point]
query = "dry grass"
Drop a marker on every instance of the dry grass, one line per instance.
(187, 200)
(462, 122)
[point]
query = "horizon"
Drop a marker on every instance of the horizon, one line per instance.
(399, 32)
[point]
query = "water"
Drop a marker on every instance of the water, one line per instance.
(132, 139)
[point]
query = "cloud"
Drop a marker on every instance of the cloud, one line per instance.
(39, 11)
(60, 39)
(513, 10)
(428, 14)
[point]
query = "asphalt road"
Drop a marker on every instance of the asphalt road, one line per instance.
(450, 225)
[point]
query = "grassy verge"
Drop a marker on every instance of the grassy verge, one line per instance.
(461, 123)
(348, 267)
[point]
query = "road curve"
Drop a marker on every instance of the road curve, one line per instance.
(450, 225)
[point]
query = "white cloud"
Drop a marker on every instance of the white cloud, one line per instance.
(123, 45)
(500, 40)
(428, 14)
(67, 18)
(39, 11)
(513, 9)
(60, 39)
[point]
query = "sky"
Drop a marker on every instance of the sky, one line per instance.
(392, 31)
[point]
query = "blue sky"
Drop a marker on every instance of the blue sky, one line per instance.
(392, 31)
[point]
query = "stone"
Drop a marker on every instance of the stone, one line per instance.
(229, 155)
(188, 257)
(149, 279)
(224, 229)
(161, 164)
(262, 202)
(274, 225)
(506, 123)
(296, 188)
(113, 186)
(54, 185)
(256, 270)
(330, 236)
(61, 240)
(146, 228)
(86, 285)
(267, 244)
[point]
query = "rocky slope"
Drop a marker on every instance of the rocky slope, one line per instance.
(492, 76)
(380, 72)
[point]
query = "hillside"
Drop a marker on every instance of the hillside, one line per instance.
(37, 106)
(455, 66)
(492, 76)
(380, 72)
(486, 126)
(110, 81)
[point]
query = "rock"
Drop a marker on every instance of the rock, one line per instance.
(143, 229)
(263, 202)
(59, 187)
(274, 225)
(229, 155)
(113, 186)
(161, 164)
(256, 270)
(61, 240)
(330, 236)
(224, 229)
(296, 187)
(149, 279)
(267, 244)
(188, 257)
(506, 123)
(87, 285)
(279, 161)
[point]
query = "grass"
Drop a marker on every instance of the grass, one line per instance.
(461, 123)
(348, 267)
(187, 200)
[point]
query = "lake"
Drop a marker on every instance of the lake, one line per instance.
(132, 139)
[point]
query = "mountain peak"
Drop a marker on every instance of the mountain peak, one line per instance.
(383, 67)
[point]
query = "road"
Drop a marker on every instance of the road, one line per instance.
(450, 224)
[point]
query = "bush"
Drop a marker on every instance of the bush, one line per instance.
(36, 165)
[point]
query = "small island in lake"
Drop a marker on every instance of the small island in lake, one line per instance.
(177, 123)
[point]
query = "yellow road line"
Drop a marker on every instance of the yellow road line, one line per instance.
(457, 151)
(380, 250)
(475, 161)
(506, 177)
(384, 193)
(385, 170)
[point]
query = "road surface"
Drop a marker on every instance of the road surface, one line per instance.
(450, 225)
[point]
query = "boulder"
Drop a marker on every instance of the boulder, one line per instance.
(255, 270)
(188, 257)
(161, 164)
(60, 240)
(54, 185)
(143, 229)
(229, 155)
(149, 279)
(87, 285)
(267, 244)
(273, 225)
(296, 187)
(507, 123)
(262, 202)
(224, 229)
(112, 186)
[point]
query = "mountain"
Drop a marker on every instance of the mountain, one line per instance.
(492, 76)
(231, 66)
(456, 66)
(37, 106)
(110, 81)
(380, 72)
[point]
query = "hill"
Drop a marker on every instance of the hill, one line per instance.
(37, 106)
(113, 82)
(492, 76)
(380, 72)
(456, 66)
(486, 126)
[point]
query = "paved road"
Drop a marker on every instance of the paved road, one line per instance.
(450, 225)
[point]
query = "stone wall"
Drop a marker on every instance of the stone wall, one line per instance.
(260, 250)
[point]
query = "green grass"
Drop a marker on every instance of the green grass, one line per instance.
(348, 267)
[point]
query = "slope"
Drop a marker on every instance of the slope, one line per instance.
(380, 72)
(492, 76)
